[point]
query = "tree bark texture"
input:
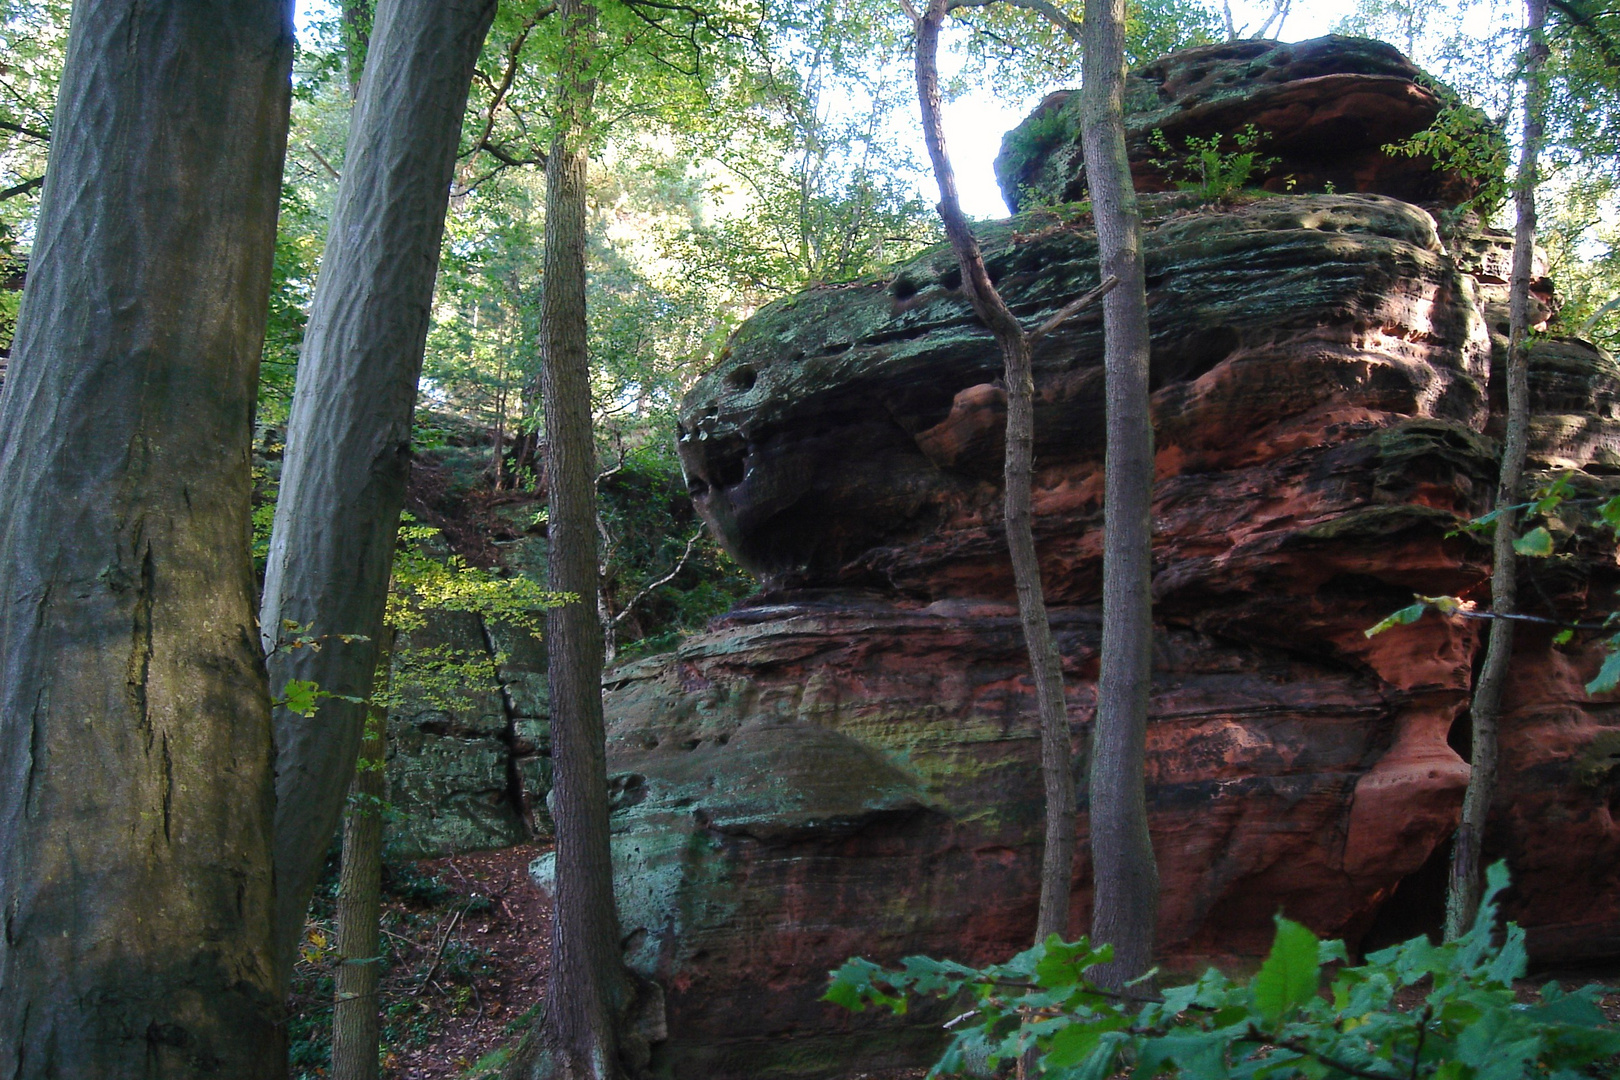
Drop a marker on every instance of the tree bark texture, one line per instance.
(577, 1035)
(1126, 878)
(135, 739)
(349, 435)
(356, 1023)
(1467, 878)
(1057, 755)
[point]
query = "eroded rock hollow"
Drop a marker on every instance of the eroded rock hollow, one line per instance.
(849, 764)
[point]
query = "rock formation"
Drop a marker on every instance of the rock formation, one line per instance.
(849, 764)
(1324, 109)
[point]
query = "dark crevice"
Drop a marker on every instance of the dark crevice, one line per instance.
(1418, 905)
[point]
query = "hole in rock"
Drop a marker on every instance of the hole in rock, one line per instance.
(1460, 736)
(1418, 905)
(903, 288)
(727, 461)
(951, 279)
(1191, 357)
(742, 378)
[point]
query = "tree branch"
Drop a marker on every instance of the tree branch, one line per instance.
(1041, 7)
(1073, 308)
(32, 133)
(680, 564)
(327, 165)
(21, 189)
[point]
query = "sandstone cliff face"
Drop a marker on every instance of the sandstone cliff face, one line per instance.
(850, 763)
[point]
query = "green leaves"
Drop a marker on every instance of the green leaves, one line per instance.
(1608, 676)
(303, 696)
(1278, 1026)
(1404, 617)
(1289, 977)
(1538, 542)
(300, 697)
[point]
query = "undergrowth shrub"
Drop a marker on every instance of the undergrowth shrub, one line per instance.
(1468, 1024)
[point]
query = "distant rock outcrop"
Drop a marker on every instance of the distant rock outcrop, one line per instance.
(1325, 109)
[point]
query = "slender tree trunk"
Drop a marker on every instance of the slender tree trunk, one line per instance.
(1057, 757)
(1126, 878)
(357, 16)
(579, 1036)
(349, 436)
(1467, 880)
(356, 1024)
(135, 742)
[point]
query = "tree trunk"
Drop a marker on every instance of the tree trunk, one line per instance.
(357, 15)
(1125, 876)
(581, 1034)
(356, 1024)
(1057, 756)
(349, 435)
(135, 741)
(1467, 880)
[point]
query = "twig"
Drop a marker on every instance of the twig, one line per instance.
(327, 165)
(680, 564)
(1073, 308)
(1258, 1036)
(438, 954)
(1423, 1033)
(401, 938)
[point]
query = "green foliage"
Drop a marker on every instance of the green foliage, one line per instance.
(1463, 140)
(649, 520)
(1562, 514)
(1208, 167)
(1016, 53)
(1553, 503)
(1283, 1023)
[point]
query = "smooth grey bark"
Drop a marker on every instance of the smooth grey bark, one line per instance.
(135, 738)
(1125, 876)
(1046, 665)
(349, 435)
(588, 1029)
(1467, 882)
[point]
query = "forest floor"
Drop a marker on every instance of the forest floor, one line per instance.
(465, 940)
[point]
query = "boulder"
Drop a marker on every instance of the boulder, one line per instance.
(849, 764)
(1324, 109)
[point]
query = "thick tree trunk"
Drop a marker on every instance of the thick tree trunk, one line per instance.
(1057, 755)
(1125, 876)
(1467, 879)
(582, 1032)
(135, 741)
(356, 1023)
(349, 435)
